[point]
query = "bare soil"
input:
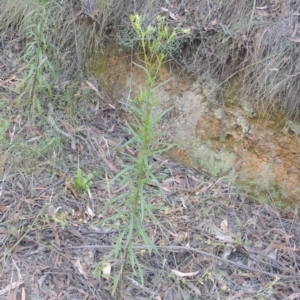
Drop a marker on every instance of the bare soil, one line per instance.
(262, 150)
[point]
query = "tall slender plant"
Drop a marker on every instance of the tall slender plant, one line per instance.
(137, 176)
(35, 83)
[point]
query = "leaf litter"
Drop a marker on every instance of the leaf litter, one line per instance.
(216, 242)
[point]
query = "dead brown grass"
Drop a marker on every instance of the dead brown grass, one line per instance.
(257, 43)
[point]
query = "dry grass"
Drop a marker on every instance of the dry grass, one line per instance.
(259, 44)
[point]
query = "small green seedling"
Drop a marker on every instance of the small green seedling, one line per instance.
(83, 183)
(58, 217)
